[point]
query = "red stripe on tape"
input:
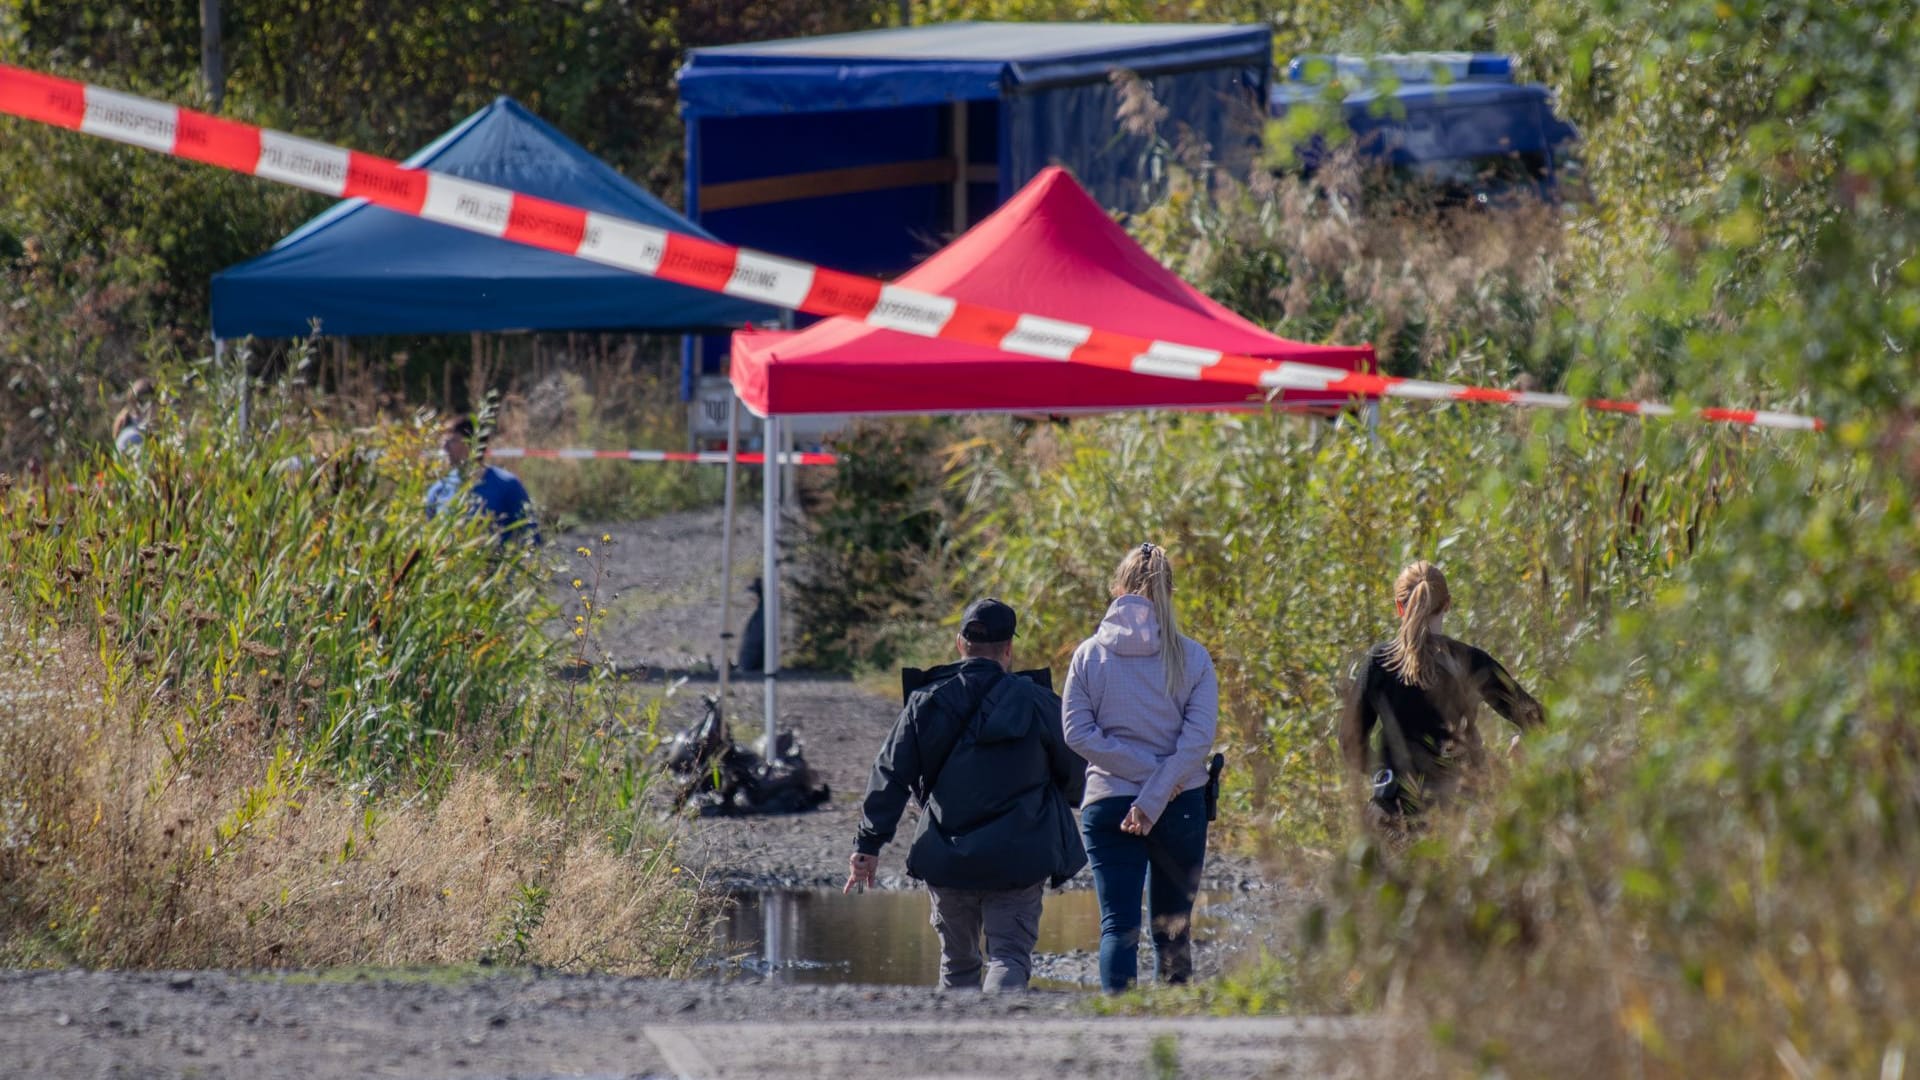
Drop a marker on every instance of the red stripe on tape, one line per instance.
(837, 293)
(45, 98)
(1364, 384)
(214, 141)
(1483, 393)
(978, 325)
(1103, 349)
(1239, 370)
(384, 183)
(703, 457)
(702, 264)
(544, 224)
(1729, 416)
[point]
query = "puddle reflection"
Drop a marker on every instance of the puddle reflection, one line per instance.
(882, 937)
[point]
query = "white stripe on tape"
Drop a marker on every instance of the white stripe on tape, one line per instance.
(481, 208)
(128, 119)
(1784, 420)
(1173, 361)
(1291, 376)
(302, 163)
(621, 243)
(767, 277)
(1542, 401)
(911, 311)
(1051, 338)
(1652, 408)
(1184, 354)
(1149, 364)
(1422, 390)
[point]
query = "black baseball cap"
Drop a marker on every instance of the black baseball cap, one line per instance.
(987, 622)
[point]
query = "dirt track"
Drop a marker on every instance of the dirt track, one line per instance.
(216, 1025)
(661, 582)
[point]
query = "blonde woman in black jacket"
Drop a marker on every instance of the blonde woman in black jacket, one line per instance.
(1423, 689)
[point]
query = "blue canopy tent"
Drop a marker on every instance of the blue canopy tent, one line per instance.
(865, 151)
(358, 269)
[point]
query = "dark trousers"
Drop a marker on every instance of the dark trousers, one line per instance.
(1167, 862)
(1009, 919)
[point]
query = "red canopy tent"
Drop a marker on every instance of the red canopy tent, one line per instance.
(1050, 251)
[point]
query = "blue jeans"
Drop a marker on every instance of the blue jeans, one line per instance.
(1167, 862)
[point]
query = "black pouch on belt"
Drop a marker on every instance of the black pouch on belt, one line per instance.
(1218, 763)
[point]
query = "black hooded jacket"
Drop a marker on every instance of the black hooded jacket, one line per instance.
(998, 802)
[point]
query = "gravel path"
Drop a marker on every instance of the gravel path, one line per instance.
(660, 580)
(212, 1025)
(659, 583)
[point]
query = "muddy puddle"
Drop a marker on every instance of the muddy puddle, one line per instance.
(884, 938)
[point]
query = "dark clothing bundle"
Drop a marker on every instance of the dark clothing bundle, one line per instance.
(983, 753)
(1428, 733)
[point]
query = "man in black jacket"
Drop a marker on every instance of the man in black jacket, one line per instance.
(983, 753)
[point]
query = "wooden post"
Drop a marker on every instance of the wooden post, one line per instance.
(959, 167)
(212, 64)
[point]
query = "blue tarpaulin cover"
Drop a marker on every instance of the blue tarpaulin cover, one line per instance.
(944, 62)
(768, 116)
(866, 151)
(361, 270)
(1439, 106)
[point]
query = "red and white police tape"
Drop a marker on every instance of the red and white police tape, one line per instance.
(700, 457)
(689, 260)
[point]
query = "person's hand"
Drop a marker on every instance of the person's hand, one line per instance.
(860, 870)
(1136, 822)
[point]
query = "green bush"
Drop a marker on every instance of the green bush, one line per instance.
(1286, 534)
(219, 559)
(1706, 865)
(870, 571)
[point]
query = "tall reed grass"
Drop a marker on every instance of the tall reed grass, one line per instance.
(1286, 534)
(275, 716)
(308, 572)
(129, 838)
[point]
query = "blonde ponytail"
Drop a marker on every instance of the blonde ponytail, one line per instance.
(1421, 593)
(1147, 572)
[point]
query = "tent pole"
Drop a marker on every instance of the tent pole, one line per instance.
(770, 574)
(726, 549)
(789, 473)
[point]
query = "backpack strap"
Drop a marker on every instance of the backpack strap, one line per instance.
(979, 707)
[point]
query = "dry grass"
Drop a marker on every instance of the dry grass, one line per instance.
(132, 839)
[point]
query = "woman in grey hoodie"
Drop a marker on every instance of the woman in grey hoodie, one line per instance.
(1141, 706)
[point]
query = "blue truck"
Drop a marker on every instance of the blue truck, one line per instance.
(1456, 120)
